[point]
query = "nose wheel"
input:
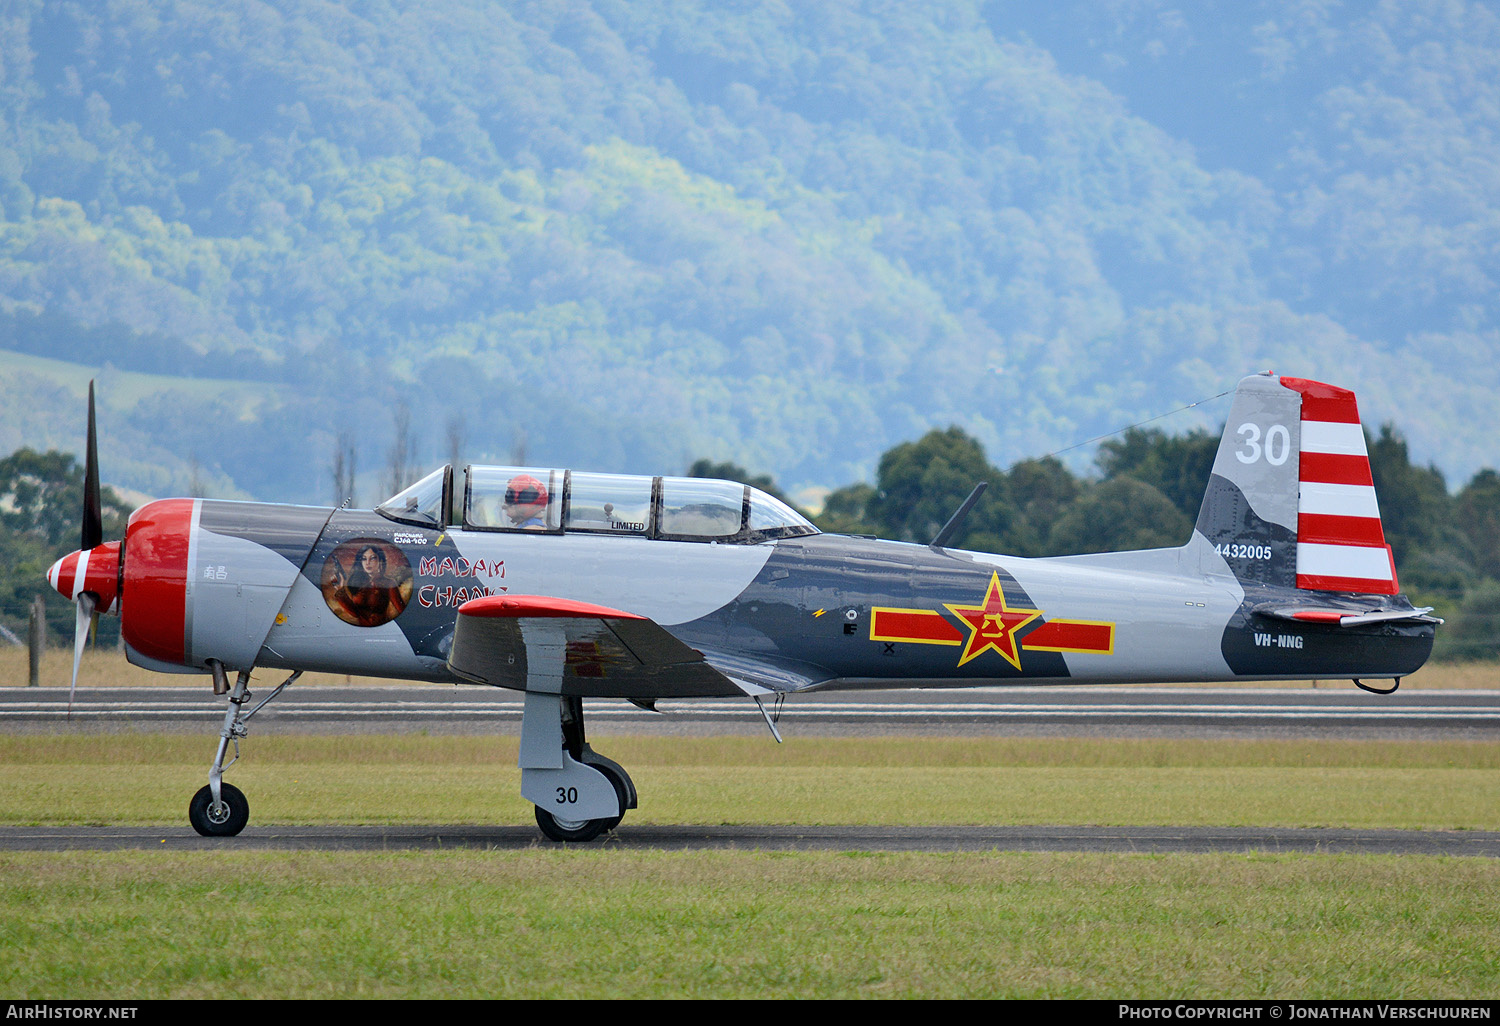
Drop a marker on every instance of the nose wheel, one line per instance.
(223, 818)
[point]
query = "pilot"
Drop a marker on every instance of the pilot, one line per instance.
(526, 503)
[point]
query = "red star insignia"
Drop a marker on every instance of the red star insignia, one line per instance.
(993, 625)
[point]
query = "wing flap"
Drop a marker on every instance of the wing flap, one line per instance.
(755, 675)
(562, 646)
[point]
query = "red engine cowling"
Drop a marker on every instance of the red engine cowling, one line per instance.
(153, 606)
(144, 578)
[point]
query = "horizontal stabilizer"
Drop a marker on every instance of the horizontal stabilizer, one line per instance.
(1349, 617)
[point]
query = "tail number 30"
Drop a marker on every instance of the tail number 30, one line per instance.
(1275, 449)
(567, 795)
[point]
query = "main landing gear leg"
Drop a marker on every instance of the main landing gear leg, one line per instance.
(578, 793)
(220, 809)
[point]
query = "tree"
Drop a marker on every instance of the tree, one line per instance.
(735, 472)
(401, 459)
(458, 438)
(1178, 466)
(1475, 632)
(846, 510)
(1417, 517)
(1041, 490)
(1477, 514)
(921, 484)
(343, 469)
(1414, 501)
(41, 497)
(1118, 515)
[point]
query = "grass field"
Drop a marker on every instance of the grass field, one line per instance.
(596, 921)
(599, 922)
(413, 778)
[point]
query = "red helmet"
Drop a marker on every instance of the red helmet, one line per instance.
(525, 490)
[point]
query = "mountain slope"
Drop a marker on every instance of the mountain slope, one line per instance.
(622, 236)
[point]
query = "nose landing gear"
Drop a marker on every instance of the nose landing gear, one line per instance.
(220, 809)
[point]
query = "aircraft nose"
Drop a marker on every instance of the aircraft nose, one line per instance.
(96, 570)
(63, 574)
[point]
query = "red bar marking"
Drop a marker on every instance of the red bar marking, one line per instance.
(1326, 402)
(1332, 468)
(1325, 529)
(923, 626)
(1071, 636)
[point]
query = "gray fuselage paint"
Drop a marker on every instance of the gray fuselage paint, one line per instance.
(806, 604)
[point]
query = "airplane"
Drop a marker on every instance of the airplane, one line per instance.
(569, 586)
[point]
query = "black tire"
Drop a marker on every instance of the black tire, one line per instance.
(614, 821)
(583, 829)
(570, 830)
(225, 821)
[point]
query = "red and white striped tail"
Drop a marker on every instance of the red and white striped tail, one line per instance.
(1340, 543)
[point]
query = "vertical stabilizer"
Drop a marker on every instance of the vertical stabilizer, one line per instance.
(1291, 502)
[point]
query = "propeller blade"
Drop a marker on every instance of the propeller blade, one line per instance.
(93, 514)
(80, 638)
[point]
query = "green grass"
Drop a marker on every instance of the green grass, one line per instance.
(290, 779)
(600, 923)
(604, 922)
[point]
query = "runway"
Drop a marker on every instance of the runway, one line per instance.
(1285, 712)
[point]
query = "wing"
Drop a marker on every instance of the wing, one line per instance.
(536, 643)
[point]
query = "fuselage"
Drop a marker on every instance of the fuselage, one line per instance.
(262, 587)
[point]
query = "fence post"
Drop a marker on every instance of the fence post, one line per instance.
(36, 638)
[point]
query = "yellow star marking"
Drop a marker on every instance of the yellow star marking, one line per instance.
(993, 625)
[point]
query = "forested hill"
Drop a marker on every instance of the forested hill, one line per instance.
(622, 235)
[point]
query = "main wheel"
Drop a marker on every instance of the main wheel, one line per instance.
(572, 829)
(224, 820)
(583, 829)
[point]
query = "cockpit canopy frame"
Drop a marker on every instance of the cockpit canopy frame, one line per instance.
(540, 500)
